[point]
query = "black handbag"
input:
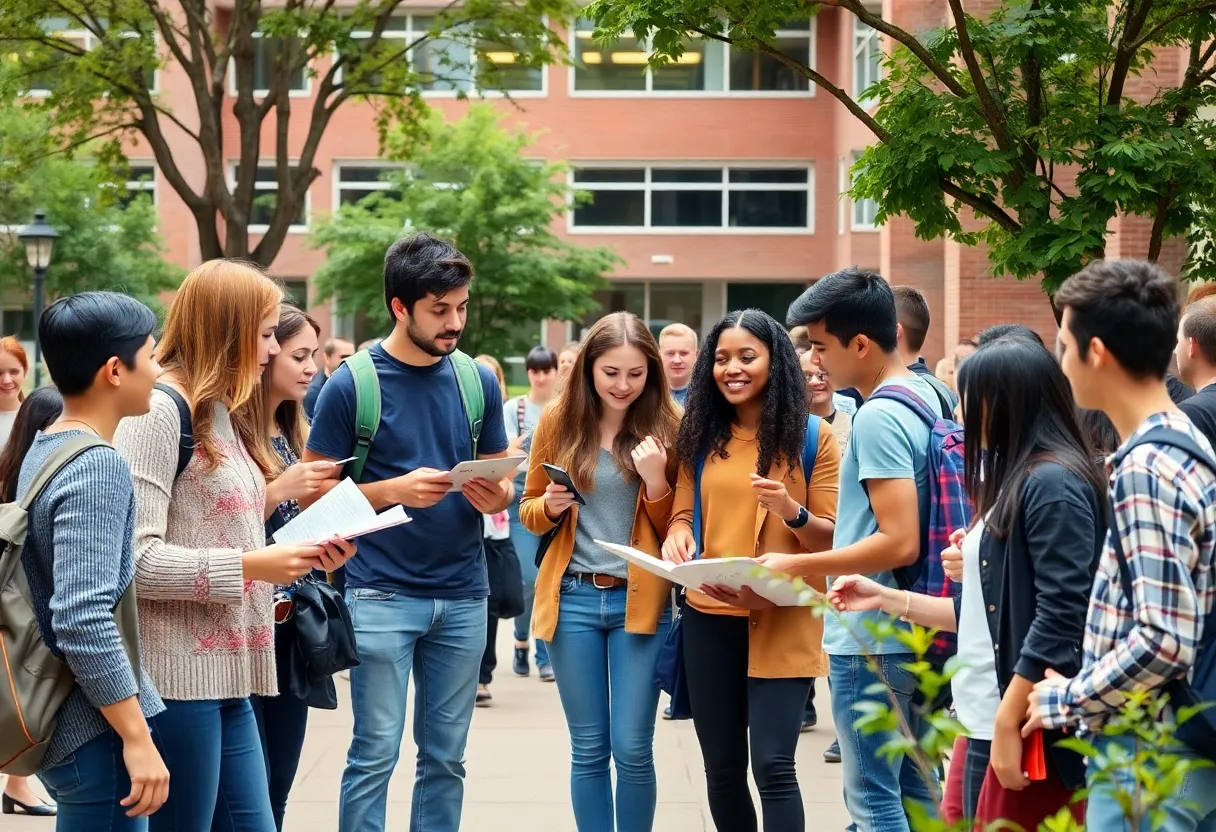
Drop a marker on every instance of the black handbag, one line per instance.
(546, 539)
(506, 579)
(324, 631)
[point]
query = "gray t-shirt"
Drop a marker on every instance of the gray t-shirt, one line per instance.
(607, 516)
(515, 426)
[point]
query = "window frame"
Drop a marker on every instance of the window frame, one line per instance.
(90, 43)
(724, 187)
(260, 186)
(304, 93)
(369, 187)
(860, 205)
(864, 38)
(811, 34)
(139, 186)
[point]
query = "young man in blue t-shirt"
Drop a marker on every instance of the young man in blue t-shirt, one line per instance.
(417, 592)
(884, 494)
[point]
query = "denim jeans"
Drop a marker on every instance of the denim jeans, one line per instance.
(525, 544)
(1193, 811)
(217, 773)
(875, 786)
(282, 721)
(605, 679)
(441, 643)
(88, 784)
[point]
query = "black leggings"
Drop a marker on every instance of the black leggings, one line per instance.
(725, 704)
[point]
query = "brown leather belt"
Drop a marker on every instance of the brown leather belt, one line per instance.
(600, 581)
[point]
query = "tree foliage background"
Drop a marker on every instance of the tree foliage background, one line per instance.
(470, 182)
(1022, 118)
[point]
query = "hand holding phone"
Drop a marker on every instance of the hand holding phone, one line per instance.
(559, 477)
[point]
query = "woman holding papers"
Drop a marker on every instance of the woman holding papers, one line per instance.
(204, 574)
(756, 475)
(604, 621)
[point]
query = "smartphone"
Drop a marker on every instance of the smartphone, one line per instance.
(560, 477)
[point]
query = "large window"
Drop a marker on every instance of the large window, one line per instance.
(657, 304)
(773, 298)
(267, 52)
(141, 179)
(266, 187)
(867, 58)
(694, 197)
(707, 66)
(354, 182)
(865, 211)
(65, 29)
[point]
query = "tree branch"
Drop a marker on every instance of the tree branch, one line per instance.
(1157, 235)
(993, 114)
(913, 44)
(1170, 20)
(1125, 52)
(982, 205)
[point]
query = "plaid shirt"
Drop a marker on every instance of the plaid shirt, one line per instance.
(1166, 518)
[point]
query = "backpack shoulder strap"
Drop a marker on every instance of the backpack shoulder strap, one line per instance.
(697, 470)
(810, 448)
(909, 399)
(472, 394)
(55, 463)
(185, 442)
(367, 408)
(521, 413)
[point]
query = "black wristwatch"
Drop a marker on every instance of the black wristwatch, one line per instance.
(801, 520)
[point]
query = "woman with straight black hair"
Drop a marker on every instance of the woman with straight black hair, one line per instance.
(1028, 566)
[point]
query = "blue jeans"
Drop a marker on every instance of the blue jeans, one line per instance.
(875, 786)
(217, 774)
(525, 544)
(282, 722)
(605, 678)
(87, 785)
(441, 643)
(1193, 811)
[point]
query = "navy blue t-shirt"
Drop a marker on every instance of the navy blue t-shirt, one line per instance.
(422, 425)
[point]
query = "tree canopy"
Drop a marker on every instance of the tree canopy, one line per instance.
(1022, 118)
(470, 182)
(94, 67)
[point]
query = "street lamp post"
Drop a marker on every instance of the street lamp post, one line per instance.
(39, 240)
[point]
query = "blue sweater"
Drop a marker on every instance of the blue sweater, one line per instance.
(79, 559)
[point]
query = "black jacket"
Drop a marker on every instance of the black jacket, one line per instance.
(1037, 582)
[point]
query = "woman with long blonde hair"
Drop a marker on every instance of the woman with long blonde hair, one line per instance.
(204, 574)
(610, 429)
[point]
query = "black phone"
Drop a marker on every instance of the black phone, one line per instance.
(560, 477)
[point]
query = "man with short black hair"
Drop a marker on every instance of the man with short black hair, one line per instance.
(912, 328)
(998, 331)
(337, 350)
(1196, 355)
(1156, 581)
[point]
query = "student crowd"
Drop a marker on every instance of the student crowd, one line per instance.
(153, 473)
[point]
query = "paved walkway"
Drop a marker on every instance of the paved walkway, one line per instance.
(519, 768)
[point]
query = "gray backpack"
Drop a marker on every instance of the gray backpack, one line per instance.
(34, 683)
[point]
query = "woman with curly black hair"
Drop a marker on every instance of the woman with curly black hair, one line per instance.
(757, 473)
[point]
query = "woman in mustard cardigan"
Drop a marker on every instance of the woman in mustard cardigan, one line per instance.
(604, 620)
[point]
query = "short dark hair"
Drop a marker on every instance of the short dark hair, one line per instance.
(540, 359)
(850, 302)
(1131, 306)
(912, 311)
(1199, 323)
(422, 264)
(999, 331)
(80, 333)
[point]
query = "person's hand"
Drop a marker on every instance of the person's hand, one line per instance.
(1006, 756)
(679, 545)
(1034, 718)
(149, 777)
(281, 563)
(300, 480)
(335, 552)
(744, 597)
(650, 460)
(783, 563)
(557, 500)
(516, 445)
(422, 487)
(952, 557)
(773, 496)
(857, 593)
(488, 497)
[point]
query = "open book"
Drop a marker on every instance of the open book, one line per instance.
(343, 512)
(734, 573)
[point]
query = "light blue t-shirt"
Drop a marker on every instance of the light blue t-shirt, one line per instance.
(888, 442)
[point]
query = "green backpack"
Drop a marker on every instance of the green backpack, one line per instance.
(367, 403)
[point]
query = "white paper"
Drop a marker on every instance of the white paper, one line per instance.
(343, 512)
(488, 469)
(734, 573)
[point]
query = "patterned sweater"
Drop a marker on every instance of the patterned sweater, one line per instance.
(206, 633)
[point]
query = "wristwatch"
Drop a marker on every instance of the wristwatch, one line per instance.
(801, 520)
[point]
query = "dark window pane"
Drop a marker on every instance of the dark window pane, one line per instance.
(702, 67)
(685, 175)
(610, 175)
(611, 209)
(265, 66)
(19, 323)
(619, 65)
(296, 293)
(263, 209)
(619, 297)
(675, 303)
(362, 174)
(793, 176)
(498, 67)
(768, 209)
(773, 298)
(686, 209)
(758, 72)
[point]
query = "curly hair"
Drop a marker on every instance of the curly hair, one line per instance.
(705, 428)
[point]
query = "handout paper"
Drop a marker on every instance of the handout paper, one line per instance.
(734, 573)
(344, 512)
(488, 469)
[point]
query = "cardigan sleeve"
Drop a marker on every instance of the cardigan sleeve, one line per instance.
(532, 504)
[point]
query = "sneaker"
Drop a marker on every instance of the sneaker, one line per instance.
(546, 673)
(667, 712)
(809, 722)
(832, 754)
(483, 696)
(520, 665)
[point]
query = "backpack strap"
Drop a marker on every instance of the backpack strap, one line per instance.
(55, 463)
(697, 535)
(810, 448)
(185, 442)
(906, 397)
(367, 408)
(521, 413)
(472, 394)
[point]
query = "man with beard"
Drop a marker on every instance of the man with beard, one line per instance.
(417, 592)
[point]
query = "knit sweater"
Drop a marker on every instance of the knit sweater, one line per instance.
(206, 632)
(79, 562)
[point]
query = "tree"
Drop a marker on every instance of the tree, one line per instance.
(472, 183)
(96, 63)
(1021, 118)
(107, 240)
